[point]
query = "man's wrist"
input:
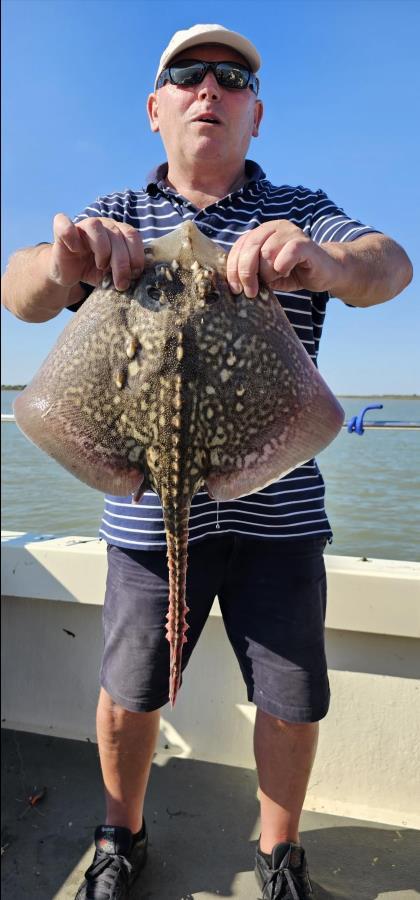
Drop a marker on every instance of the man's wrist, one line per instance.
(341, 280)
(28, 291)
(55, 296)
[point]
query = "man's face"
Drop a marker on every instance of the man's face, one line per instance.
(176, 112)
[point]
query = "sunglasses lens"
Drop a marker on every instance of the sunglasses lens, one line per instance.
(232, 76)
(189, 73)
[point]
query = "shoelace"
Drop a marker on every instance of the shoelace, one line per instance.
(282, 877)
(117, 866)
(286, 879)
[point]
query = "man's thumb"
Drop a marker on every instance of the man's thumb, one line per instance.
(66, 233)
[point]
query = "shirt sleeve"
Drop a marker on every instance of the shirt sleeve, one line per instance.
(330, 223)
(109, 207)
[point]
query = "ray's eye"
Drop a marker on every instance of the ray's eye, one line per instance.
(153, 292)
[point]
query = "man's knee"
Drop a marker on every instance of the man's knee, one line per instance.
(107, 706)
(283, 725)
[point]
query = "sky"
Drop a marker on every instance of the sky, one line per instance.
(341, 85)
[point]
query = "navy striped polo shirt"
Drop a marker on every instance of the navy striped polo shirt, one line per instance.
(292, 507)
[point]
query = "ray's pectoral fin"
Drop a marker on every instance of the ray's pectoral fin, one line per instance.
(255, 468)
(273, 453)
(76, 442)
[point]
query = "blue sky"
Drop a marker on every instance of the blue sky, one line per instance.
(341, 85)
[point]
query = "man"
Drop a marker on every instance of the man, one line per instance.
(262, 555)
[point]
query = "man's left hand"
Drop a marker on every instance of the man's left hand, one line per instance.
(281, 255)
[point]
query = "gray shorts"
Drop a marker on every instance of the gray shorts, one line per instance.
(272, 596)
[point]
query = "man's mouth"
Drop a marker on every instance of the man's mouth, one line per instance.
(208, 119)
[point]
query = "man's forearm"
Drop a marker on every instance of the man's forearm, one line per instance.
(27, 290)
(373, 269)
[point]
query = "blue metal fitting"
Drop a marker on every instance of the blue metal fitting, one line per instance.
(355, 424)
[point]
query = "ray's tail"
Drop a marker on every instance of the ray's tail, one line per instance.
(176, 526)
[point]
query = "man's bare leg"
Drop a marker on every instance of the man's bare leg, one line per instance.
(126, 742)
(284, 754)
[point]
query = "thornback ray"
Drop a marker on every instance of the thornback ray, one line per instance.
(177, 384)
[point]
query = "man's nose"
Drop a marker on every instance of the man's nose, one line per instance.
(209, 87)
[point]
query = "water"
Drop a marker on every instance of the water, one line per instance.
(372, 481)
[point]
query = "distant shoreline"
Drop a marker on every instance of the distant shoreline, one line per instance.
(21, 387)
(379, 396)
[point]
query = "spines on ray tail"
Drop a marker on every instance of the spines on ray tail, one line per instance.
(176, 488)
(176, 527)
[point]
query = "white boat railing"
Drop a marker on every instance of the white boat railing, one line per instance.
(9, 417)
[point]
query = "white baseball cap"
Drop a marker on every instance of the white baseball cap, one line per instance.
(209, 34)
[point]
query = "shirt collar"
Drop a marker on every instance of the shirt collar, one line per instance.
(156, 178)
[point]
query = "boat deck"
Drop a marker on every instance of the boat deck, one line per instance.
(203, 825)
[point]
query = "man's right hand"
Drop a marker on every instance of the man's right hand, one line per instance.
(92, 248)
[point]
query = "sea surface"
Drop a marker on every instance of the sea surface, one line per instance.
(372, 486)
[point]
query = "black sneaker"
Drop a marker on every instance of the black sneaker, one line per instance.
(287, 878)
(118, 861)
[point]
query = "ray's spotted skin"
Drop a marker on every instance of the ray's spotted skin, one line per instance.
(174, 384)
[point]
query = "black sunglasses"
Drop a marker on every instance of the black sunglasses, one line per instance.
(229, 75)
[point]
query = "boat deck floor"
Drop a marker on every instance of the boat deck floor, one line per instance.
(203, 826)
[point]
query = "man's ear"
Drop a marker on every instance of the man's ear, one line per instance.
(152, 111)
(258, 114)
